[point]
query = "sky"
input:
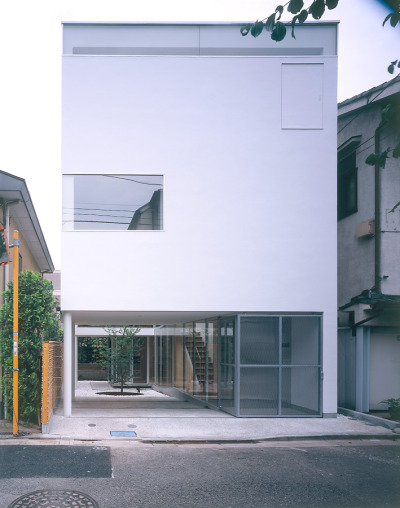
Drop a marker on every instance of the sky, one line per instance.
(30, 73)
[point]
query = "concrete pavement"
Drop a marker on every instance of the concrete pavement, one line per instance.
(155, 417)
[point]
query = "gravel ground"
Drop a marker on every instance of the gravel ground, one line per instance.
(89, 389)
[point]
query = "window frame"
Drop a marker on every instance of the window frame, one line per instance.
(347, 171)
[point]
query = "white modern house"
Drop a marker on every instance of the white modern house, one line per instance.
(199, 198)
(368, 247)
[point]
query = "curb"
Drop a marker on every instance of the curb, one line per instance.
(383, 422)
(327, 437)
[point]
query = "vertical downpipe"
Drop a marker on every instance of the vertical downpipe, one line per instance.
(378, 279)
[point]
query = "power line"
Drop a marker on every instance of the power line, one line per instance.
(132, 180)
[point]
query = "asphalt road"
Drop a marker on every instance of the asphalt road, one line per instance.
(292, 474)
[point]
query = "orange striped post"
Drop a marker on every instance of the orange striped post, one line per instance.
(15, 334)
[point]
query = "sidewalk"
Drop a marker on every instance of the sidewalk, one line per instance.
(155, 417)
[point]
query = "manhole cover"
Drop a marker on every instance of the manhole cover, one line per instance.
(55, 499)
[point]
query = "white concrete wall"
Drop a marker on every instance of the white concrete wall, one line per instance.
(249, 208)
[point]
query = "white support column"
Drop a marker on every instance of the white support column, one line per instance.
(67, 364)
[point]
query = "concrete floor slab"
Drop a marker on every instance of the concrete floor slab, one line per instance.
(157, 417)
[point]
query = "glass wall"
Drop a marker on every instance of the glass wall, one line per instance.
(280, 367)
(247, 365)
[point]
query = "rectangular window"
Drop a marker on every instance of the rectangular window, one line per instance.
(112, 202)
(347, 186)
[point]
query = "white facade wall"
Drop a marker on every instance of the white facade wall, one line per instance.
(249, 183)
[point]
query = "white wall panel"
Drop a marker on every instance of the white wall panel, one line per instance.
(249, 209)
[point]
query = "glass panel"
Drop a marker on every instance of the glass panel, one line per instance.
(212, 338)
(227, 387)
(300, 340)
(259, 340)
(200, 353)
(258, 391)
(140, 364)
(227, 380)
(189, 357)
(179, 357)
(227, 342)
(300, 391)
(112, 202)
(151, 359)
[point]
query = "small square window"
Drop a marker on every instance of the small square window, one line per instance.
(347, 186)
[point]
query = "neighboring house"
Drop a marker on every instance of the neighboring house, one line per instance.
(368, 251)
(224, 148)
(18, 214)
(55, 279)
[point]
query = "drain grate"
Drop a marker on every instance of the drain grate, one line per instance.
(123, 433)
(55, 499)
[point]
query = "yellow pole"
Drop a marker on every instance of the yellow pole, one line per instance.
(15, 335)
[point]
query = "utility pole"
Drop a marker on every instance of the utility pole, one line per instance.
(15, 334)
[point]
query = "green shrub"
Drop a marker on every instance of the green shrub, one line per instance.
(38, 321)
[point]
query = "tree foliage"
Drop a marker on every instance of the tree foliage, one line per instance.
(38, 321)
(300, 12)
(118, 353)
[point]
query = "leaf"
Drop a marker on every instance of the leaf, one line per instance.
(382, 158)
(295, 6)
(270, 23)
(396, 151)
(295, 18)
(279, 32)
(387, 17)
(279, 11)
(394, 19)
(393, 65)
(303, 16)
(372, 159)
(394, 208)
(385, 113)
(257, 28)
(317, 9)
(245, 29)
(331, 4)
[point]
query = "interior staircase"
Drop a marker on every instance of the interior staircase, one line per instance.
(196, 349)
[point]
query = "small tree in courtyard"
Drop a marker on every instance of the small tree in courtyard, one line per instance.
(124, 346)
(38, 321)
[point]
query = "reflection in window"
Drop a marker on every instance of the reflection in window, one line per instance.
(112, 202)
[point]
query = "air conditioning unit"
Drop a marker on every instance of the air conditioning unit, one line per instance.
(366, 229)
